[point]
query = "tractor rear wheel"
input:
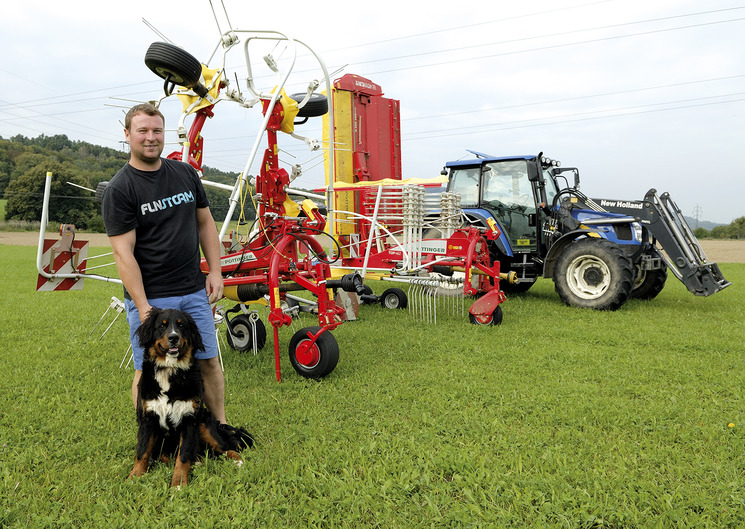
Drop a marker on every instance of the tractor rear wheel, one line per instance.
(595, 274)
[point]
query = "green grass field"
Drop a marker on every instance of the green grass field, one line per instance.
(559, 417)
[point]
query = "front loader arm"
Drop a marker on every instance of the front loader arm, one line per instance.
(682, 252)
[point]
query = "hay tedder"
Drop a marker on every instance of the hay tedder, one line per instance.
(374, 225)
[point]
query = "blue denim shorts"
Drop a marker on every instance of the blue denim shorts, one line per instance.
(196, 305)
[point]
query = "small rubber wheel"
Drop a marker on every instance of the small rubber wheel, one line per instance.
(394, 298)
(243, 330)
(313, 360)
(316, 106)
(170, 62)
(495, 318)
(100, 188)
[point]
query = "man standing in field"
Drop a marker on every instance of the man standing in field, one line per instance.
(157, 216)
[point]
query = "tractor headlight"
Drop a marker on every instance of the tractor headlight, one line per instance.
(637, 227)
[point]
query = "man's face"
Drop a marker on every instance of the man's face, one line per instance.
(146, 136)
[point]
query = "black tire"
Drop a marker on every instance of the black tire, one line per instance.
(316, 106)
(515, 288)
(595, 274)
(170, 62)
(495, 318)
(394, 298)
(243, 330)
(320, 359)
(100, 188)
(648, 283)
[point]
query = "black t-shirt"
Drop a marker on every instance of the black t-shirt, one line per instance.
(161, 206)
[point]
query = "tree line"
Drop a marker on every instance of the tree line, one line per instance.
(733, 230)
(77, 167)
(24, 163)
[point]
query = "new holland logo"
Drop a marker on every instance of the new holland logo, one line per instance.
(621, 204)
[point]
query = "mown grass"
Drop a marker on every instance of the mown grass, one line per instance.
(558, 418)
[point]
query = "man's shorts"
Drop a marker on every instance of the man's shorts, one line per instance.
(196, 305)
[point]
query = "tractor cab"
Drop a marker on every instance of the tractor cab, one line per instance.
(510, 190)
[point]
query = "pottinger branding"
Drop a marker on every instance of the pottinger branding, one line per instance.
(621, 204)
(237, 259)
(362, 84)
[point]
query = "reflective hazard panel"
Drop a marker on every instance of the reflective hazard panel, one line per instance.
(61, 257)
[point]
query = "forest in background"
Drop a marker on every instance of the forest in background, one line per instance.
(24, 163)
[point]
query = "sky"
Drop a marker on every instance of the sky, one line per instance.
(636, 94)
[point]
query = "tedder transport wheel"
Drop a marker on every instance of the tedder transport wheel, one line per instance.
(649, 283)
(495, 318)
(316, 106)
(593, 273)
(317, 360)
(244, 337)
(173, 64)
(394, 298)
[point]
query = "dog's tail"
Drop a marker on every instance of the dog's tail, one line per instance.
(236, 436)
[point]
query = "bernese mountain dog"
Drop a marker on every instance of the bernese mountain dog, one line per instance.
(171, 416)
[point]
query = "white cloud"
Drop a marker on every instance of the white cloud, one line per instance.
(637, 94)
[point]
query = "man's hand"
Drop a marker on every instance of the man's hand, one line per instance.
(214, 286)
(144, 311)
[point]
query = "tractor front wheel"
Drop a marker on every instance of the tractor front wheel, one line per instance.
(649, 283)
(593, 273)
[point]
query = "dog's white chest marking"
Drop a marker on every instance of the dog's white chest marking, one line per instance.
(165, 410)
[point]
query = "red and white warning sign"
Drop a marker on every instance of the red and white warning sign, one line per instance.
(60, 259)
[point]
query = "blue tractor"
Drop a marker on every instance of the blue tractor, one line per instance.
(598, 252)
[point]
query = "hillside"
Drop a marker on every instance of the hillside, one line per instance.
(24, 162)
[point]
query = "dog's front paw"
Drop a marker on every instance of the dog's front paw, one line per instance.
(139, 469)
(179, 479)
(240, 438)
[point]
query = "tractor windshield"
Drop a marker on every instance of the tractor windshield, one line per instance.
(508, 193)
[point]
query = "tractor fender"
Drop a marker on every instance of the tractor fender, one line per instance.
(558, 246)
(478, 217)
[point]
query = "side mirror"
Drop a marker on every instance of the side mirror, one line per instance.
(534, 174)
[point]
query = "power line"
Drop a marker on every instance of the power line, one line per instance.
(576, 98)
(525, 123)
(531, 50)
(573, 32)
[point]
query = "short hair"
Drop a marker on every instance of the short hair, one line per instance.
(142, 108)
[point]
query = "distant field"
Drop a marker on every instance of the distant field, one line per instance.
(720, 251)
(560, 417)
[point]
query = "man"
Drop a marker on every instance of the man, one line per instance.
(157, 216)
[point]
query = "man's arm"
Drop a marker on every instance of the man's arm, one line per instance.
(209, 239)
(129, 270)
